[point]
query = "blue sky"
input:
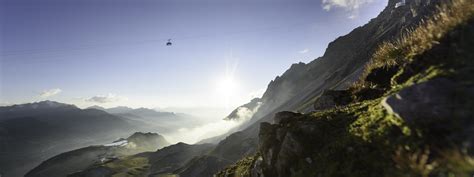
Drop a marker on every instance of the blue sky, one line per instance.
(112, 52)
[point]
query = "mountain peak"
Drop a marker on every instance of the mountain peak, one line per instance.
(96, 107)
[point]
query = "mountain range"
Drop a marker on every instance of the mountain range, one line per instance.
(391, 98)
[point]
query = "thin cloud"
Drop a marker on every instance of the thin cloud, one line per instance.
(105, 98)
(351, 6)
(50, 92)
(304, 51)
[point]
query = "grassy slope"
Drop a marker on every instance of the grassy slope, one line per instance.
(363, 139)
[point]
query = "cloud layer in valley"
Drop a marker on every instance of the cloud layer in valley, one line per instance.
(49, 93)
(192, 135)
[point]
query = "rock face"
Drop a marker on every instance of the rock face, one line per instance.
(332, 98)
(431, 100)
(280, 146)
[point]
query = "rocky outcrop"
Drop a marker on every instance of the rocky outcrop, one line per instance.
(280, 146)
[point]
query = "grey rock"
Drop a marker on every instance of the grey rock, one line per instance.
(290, 150)
(309, 160)
(434, 99)
(267, 140)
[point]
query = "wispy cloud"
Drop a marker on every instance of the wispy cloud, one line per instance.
(304, 51)
(105, 98)
(351, 6)
(50, 92)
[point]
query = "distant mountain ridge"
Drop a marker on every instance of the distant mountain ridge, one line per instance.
(152, 120)
(125, 109)
(33, 132)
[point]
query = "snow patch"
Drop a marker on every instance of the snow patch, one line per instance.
(120, 143)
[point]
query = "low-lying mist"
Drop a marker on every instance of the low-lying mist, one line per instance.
(212, 129)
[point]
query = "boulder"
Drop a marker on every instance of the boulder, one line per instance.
(284, 116)
(332, 98)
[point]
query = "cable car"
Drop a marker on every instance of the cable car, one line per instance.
(169, 43)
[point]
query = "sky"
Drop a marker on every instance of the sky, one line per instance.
(113, 53)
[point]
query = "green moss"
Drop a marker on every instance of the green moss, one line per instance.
(241, 168)
(374, 122)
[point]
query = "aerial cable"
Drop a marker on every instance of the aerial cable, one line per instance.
(167, 40)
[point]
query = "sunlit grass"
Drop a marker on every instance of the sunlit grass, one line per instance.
(415, 41)
(129, 166)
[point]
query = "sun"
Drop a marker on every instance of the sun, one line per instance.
(227, 87)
